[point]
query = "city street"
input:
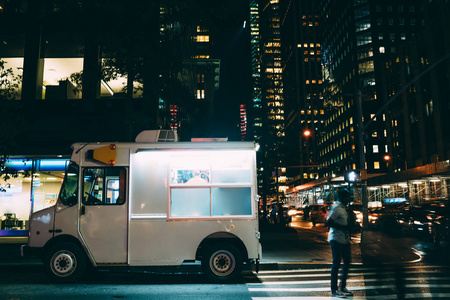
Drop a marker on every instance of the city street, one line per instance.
(296, 265)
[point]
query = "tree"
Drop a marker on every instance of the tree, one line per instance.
(11, 117)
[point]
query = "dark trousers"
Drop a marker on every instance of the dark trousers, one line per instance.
(339, 252)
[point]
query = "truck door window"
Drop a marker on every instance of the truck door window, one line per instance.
(104, 186)
(69, 189)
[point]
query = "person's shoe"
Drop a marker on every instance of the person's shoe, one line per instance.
(345, 292)
(337, 294)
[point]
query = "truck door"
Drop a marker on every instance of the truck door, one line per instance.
(104, 213)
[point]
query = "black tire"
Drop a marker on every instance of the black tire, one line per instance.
(222, 262)
(65, 262)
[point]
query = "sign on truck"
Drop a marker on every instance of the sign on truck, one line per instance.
(148, 204)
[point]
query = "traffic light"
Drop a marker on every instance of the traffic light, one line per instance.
(355, 175)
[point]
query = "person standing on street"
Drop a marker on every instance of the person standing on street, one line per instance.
(339, 239)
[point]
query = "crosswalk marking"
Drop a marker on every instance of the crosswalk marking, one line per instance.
(417, 282)
(375, 297)
(321, 275)
(353, 288)
(359, 269)
(348, 281)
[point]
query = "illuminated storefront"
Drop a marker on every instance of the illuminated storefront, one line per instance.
(35, 188)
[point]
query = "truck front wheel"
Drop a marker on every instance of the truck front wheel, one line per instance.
(65, 262)
(222, 262)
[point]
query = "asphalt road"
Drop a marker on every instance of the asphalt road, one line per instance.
(295, 266)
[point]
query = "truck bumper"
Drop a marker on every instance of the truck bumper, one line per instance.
(26, 251)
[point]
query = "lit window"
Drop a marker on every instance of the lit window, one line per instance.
(382, 50)
(376, 165)
(200, 94)
(375, 148)
(202, 38)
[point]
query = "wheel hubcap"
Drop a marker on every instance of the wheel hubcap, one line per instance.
(222, 263)
(63, 263)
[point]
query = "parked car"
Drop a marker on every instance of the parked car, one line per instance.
(415, 221)
(319, 213)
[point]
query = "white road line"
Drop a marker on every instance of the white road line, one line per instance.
(376, 297)
(348, 280)
(353, 288)
(350, 274)
(352, 269)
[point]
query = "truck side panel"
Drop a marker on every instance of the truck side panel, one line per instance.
(161, 234)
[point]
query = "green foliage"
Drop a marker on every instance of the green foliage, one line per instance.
(9, 84)
(11, 117)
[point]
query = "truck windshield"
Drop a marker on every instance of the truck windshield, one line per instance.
(69, 189)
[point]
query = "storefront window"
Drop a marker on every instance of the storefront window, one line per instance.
(35, 187)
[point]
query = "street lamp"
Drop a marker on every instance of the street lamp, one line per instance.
(306, 133)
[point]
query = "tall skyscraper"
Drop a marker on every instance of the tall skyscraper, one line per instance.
(361, 38)
(256, 113)
(419, 127)
(273, 140)
(302, 42)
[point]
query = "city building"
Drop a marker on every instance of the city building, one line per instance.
(303, 88)
(394, 57)
(421, 111)
(256, 113)
(93, 71)
(273, 103)
(360, 40)
(243, 121)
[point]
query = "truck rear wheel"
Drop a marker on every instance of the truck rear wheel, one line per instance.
(65, 262)
(222, 262)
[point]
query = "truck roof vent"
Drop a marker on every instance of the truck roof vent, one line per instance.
(153, 136)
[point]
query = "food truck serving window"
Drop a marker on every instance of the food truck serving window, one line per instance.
(104, 186)
(213, 184)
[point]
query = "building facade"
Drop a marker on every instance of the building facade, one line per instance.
(303, 88)
(273, 102)
(361, 38)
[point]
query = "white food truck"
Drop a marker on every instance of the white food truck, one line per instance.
(148, 204)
